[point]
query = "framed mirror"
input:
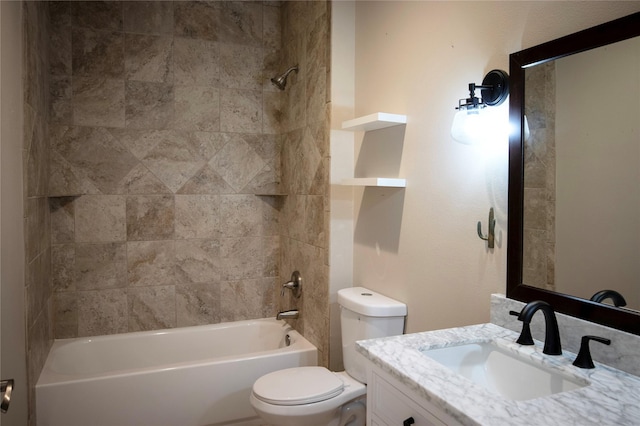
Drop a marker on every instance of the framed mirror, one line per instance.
(574, 173)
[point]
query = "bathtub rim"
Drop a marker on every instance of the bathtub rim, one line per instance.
(48, 377)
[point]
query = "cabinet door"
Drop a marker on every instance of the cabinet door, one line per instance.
(390, 406)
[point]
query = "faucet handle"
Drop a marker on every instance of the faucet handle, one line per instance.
(583, 360)
(525, 335)
(295, 285)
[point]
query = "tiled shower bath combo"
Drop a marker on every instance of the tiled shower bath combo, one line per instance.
(169, 183)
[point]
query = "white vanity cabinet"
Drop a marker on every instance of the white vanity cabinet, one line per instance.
(391, 403)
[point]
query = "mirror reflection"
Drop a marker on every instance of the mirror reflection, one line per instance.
(581, 218)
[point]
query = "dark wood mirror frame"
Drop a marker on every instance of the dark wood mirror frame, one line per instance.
(611, 32)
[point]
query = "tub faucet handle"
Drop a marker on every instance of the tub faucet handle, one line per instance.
(295, 285)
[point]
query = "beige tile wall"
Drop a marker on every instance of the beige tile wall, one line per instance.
(164, 126)
(305, 165)
(36, 159)
(540, 176)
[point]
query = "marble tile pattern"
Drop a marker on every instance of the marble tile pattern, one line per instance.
(166, 134)
(160, 138)
(37, 232)
(302, 113)
(609, 399)
(540, 176)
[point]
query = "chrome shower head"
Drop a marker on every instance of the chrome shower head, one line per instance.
(281, 81)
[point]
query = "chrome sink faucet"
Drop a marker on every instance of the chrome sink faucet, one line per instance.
(552, 344)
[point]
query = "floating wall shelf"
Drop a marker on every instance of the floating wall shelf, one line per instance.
(375, 121)
(373, 181)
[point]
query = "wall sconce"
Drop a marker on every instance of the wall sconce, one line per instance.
(473, 123)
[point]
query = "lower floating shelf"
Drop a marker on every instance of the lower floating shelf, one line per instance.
(386, 182)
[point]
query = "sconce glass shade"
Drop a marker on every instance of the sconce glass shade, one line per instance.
(475, 122)
(484, 126)
(468, 126)
(481, 126)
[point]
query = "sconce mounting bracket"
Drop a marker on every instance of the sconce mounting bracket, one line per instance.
(495, 87)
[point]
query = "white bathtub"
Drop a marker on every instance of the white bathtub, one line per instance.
(178, 377)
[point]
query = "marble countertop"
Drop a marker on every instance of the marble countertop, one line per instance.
(610, 399)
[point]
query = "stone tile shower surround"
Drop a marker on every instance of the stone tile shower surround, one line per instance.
(164, 127)
(305, 166)
(38, 292)
(540, 178)
(158, 144)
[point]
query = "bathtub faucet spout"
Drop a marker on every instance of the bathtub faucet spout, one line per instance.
(290, 314)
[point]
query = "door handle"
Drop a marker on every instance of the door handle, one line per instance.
(6, 386)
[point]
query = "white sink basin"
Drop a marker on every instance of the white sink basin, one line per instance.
(503, 372)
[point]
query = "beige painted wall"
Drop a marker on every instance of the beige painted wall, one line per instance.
(419, 245)
(598, 170)
(342, 160)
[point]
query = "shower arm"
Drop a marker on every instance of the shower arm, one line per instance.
(290, 70)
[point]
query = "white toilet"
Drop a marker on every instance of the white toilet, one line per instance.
(315, 396)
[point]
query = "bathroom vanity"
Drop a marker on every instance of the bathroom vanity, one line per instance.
(408, 386)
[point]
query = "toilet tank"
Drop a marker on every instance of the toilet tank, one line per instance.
(365, 314)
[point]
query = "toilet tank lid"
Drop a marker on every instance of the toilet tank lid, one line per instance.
(367, 302)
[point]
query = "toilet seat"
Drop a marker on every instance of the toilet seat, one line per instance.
(298, 386)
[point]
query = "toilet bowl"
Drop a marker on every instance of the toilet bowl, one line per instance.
(308, 396)
(315, 396)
